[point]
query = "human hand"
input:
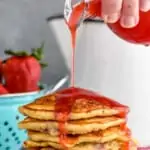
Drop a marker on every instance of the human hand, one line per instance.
(125, 10)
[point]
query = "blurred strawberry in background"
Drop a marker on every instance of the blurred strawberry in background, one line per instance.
(21, 72)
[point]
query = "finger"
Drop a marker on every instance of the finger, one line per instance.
(144, 5)
(130, 13)
(111, 10)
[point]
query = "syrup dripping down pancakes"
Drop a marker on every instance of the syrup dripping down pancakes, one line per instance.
(76, 119)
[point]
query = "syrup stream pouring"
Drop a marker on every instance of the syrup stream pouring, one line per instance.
(73, 20)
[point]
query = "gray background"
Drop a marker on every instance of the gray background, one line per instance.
(23, 26)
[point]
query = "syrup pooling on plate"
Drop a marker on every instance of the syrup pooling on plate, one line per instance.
(66, 99)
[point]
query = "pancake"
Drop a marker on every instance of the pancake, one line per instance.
(104, 136)
(72, 127)
(86, 106)
(112, 145)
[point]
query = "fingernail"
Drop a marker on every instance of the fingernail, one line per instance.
(112, 18)
(145, 6)
(129, 21)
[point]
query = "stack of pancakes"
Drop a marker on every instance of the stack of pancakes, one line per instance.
(90, 126)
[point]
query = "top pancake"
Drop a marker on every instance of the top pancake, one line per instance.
(85, 106)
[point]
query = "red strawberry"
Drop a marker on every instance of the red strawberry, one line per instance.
(22, 72)
(3, 90)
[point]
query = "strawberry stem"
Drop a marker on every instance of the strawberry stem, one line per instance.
(37, 53)
(16, 53)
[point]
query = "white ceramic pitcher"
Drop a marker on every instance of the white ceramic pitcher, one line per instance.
(111, 66)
